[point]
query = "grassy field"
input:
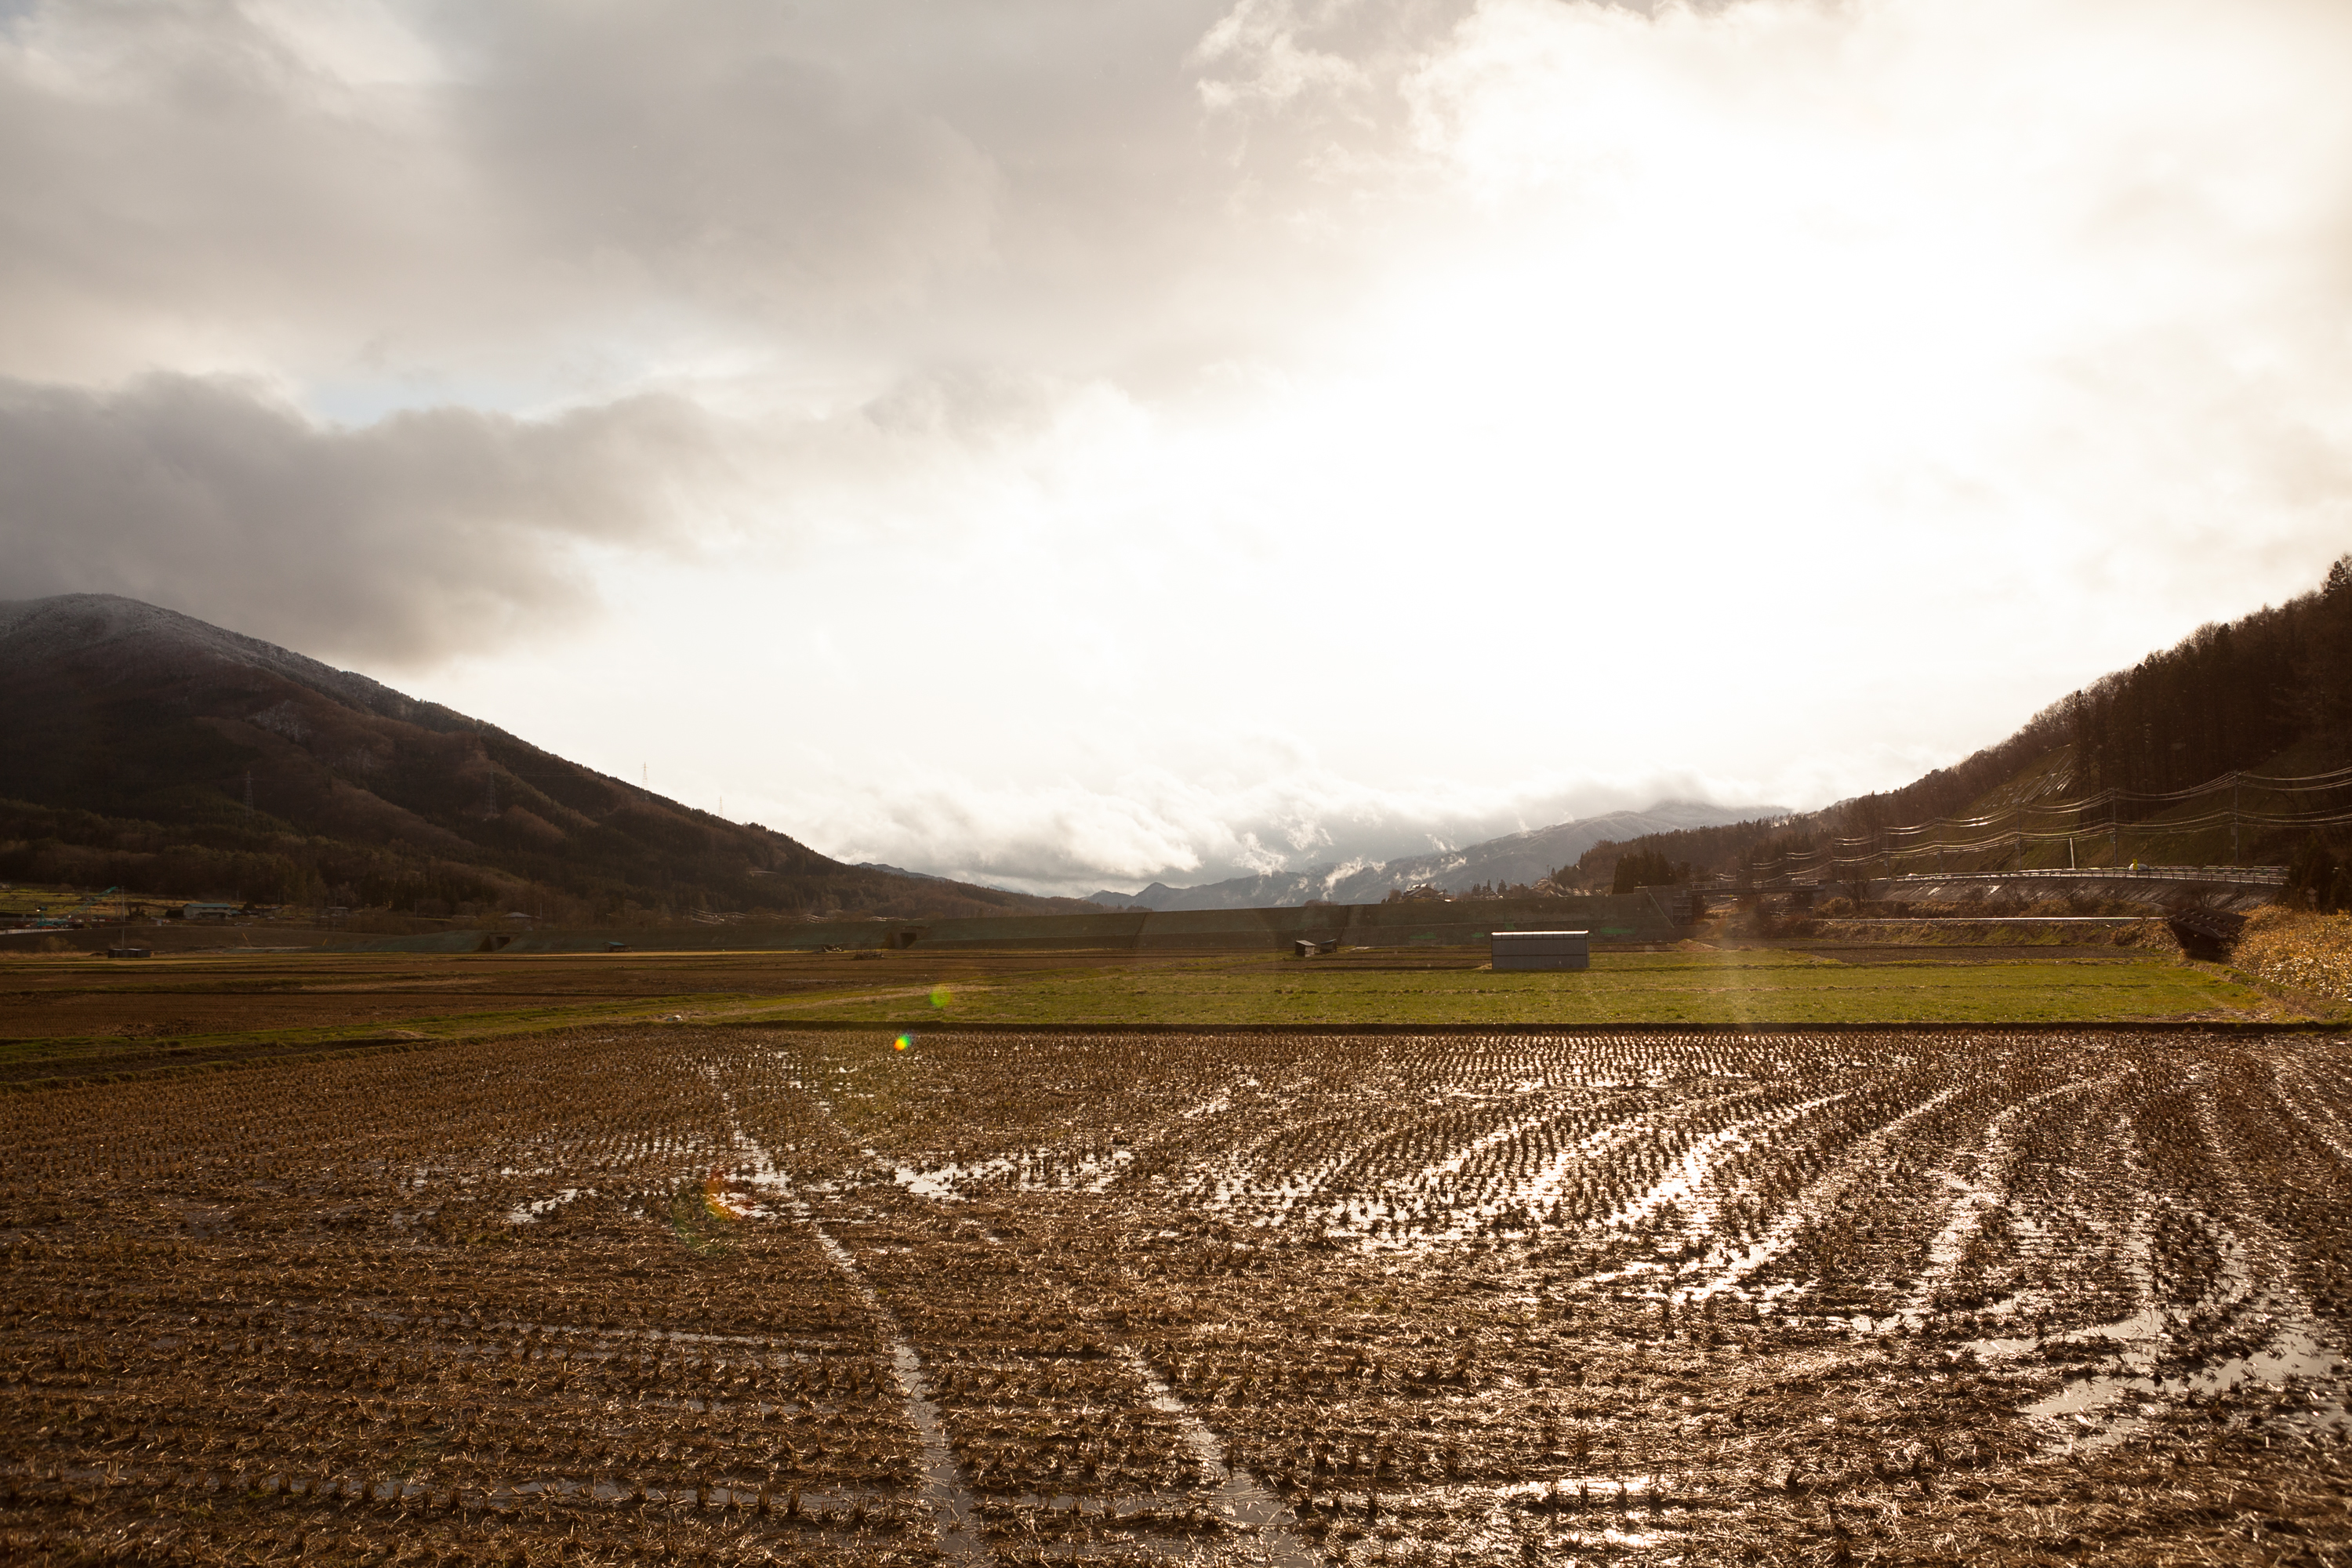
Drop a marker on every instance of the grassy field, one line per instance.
(76, 1017)
(1619, 988)
(23, 901)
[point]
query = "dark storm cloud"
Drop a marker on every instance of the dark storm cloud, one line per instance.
(422, 535)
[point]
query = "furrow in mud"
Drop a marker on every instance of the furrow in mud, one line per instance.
(1734, 1297)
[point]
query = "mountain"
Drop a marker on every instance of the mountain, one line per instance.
(1515, 858)
(151, 750)
(1531, 856)
(2233, 745)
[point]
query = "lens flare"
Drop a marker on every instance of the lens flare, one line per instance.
(715, 1198)
(902, 1042)
(940, 994)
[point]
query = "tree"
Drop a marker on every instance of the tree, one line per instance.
(1648, 868)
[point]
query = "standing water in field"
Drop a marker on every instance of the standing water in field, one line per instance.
(1211, 1297)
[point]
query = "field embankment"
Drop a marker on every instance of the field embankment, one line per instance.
(2304, 952)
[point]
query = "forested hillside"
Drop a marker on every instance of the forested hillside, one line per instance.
(2256, 713)
(153, 752)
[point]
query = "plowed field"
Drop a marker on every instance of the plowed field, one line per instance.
(689, 1293)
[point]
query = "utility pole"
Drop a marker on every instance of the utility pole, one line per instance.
(2233, 817)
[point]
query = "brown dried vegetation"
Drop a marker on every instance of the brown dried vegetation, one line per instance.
(2309, 952)
(750, 1294)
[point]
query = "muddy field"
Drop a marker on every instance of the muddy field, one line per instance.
(740, 1294)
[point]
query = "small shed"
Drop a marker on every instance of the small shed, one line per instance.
(1542, 949)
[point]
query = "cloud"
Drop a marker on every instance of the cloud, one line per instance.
(1259, 43)
(1070, 837)
(545, 201)
(1492, 399)
(421, 536)
(734, 159)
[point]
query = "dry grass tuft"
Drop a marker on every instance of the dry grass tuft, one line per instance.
(2294, 947)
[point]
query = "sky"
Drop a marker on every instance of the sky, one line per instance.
(1067, 445)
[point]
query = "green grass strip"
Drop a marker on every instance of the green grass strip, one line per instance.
(1630, 988)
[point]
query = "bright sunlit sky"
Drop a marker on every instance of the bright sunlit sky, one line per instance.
(1065, 444)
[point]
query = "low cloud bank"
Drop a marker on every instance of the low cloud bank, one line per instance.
(1072, 839)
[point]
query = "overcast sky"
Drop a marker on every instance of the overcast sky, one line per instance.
(1069, 444)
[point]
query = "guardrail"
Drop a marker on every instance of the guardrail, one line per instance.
(2260, 876)
(2237, 876)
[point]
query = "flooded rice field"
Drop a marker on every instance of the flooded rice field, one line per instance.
(679, 1294)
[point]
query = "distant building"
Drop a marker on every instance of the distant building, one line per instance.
(1542, 949)
(211, 911)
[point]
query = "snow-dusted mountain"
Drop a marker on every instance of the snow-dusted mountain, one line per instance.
(1515, 857)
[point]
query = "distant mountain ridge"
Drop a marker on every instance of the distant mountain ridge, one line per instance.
(1516, 858)
(153, 750)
